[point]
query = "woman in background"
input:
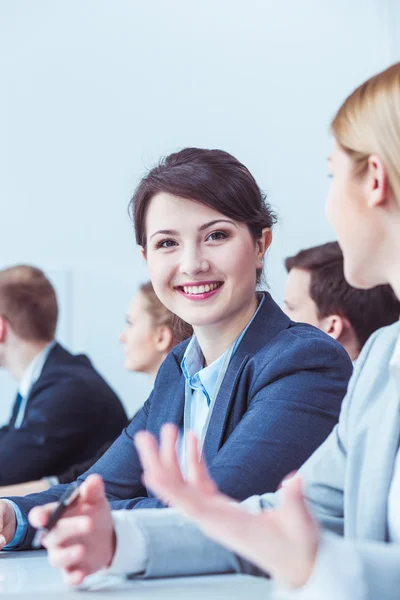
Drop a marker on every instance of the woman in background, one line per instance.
(150, 332)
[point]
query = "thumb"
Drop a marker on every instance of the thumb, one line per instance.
(92, 489)
(294, 505)
(39, 516)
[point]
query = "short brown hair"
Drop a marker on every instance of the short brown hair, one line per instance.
(366, 310)
(211, 177)
(163, 316)
(28, 301)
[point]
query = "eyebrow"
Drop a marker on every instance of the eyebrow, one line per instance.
(201, 228)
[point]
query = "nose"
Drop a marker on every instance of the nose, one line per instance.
(192, 261)
(121, 337)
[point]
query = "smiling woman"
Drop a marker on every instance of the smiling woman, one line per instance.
(204, 226)
(260, 391)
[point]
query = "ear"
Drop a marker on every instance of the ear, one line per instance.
(164, 339)
(3, 329)
(333, 325)
(263, 244)
(143, 253)
(377, 181)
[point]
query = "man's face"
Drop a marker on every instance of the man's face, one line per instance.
(298, 304)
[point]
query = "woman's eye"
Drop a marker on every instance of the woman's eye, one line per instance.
(217, 235)
(166, 244)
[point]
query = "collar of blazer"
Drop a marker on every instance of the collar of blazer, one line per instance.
(269, 321)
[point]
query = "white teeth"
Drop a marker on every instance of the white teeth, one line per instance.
(199, 289)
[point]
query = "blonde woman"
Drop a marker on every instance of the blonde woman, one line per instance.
(350, 548)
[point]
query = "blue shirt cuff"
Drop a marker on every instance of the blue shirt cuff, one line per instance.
(21, 530)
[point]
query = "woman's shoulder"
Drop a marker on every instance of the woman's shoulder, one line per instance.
(301, 338)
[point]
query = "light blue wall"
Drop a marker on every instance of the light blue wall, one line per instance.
(93, 92)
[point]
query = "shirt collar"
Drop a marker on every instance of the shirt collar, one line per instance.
(34, 370)
(192, 363)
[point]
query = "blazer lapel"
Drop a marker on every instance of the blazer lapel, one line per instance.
(220, 412)
(170, 397)
(269, 321)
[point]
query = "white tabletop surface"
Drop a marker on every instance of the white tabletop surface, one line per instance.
(29, 575)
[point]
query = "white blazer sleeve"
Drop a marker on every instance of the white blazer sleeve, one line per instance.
(348, 570)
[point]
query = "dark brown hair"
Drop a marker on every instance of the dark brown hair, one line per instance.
(28, 301)
(163, 316)
(211, 177)
(366, 310)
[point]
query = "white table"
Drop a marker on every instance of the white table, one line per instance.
(29, 575)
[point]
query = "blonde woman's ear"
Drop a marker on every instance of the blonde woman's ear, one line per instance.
(377, 181)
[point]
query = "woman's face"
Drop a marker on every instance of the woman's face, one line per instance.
(202, 264)
(352, 213)
(139, 337)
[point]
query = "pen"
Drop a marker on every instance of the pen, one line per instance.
(67, 498)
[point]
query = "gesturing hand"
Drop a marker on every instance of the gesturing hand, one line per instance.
(283, 542)
(83, 540)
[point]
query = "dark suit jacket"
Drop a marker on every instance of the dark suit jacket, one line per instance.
(279, 400)
(70, 413)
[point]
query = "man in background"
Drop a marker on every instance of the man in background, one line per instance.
(317, 293)
(64, 410)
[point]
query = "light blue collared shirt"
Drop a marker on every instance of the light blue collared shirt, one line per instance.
(29, 378)
(202, 381)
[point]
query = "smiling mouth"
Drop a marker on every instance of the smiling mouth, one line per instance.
(194, 290)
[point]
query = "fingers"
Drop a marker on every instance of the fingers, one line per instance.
(197, 468)
(162, 471)
(168, 440)
(66, 531)
(294, 506)
(39, 516)
(67, 558)
(160, 465)
(147, 448)
(286, 479)
(74, 576)
(92, 489)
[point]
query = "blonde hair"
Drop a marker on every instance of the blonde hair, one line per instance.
(368, 122)
(162, 316)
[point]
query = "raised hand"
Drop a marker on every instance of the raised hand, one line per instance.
(83, 540)
(283, 542)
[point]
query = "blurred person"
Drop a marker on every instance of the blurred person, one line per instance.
(317, 293)
(64, 410)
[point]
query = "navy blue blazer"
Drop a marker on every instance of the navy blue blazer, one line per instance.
(70, 413)
(279, 400)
